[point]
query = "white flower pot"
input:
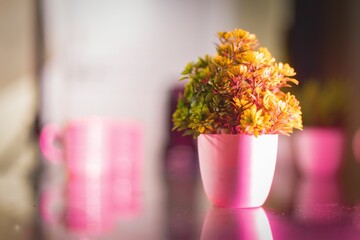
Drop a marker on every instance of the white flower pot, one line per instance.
(237, 170)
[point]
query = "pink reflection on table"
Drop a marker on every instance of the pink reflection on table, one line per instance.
(82, 207)
(102, 158)
(89, 207)
(236, 224)
(356, 217)
(318, 200)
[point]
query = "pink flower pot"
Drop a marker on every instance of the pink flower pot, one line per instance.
(319, 151)
(237, 170)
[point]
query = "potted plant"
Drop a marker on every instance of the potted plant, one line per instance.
(319, 148)
(235, 105)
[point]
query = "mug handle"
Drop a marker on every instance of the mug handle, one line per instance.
(49, 136)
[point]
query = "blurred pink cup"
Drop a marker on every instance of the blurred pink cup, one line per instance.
(103, 151)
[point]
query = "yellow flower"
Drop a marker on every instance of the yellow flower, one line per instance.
(238, 70)
(264, 73)
(221, 61)
(245, 103)
(285, 69)
(270, 100)
(242, 102)
(224, 35)
(266, 56)
(252, 121)
(258, 58)
(239, 33)
(201, 126)
(237, 102)
(249, 57)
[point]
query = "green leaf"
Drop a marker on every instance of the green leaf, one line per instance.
(188, 69)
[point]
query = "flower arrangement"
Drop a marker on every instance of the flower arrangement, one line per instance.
(237, 91)
(323, 103)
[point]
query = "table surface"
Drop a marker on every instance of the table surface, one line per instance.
(296, 208)
(180, 214)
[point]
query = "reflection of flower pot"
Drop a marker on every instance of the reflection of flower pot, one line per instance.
(319, 150)
(236, 224)
(237, 170)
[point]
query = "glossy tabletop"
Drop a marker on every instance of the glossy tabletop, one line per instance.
(50, 204)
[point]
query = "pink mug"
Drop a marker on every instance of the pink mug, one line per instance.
(99, 149)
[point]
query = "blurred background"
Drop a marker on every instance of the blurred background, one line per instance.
(64, 59)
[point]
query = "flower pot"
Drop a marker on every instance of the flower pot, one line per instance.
(237, 170)
(319, 151)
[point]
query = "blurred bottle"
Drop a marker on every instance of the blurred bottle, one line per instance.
(180, 172)
(180, 150)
